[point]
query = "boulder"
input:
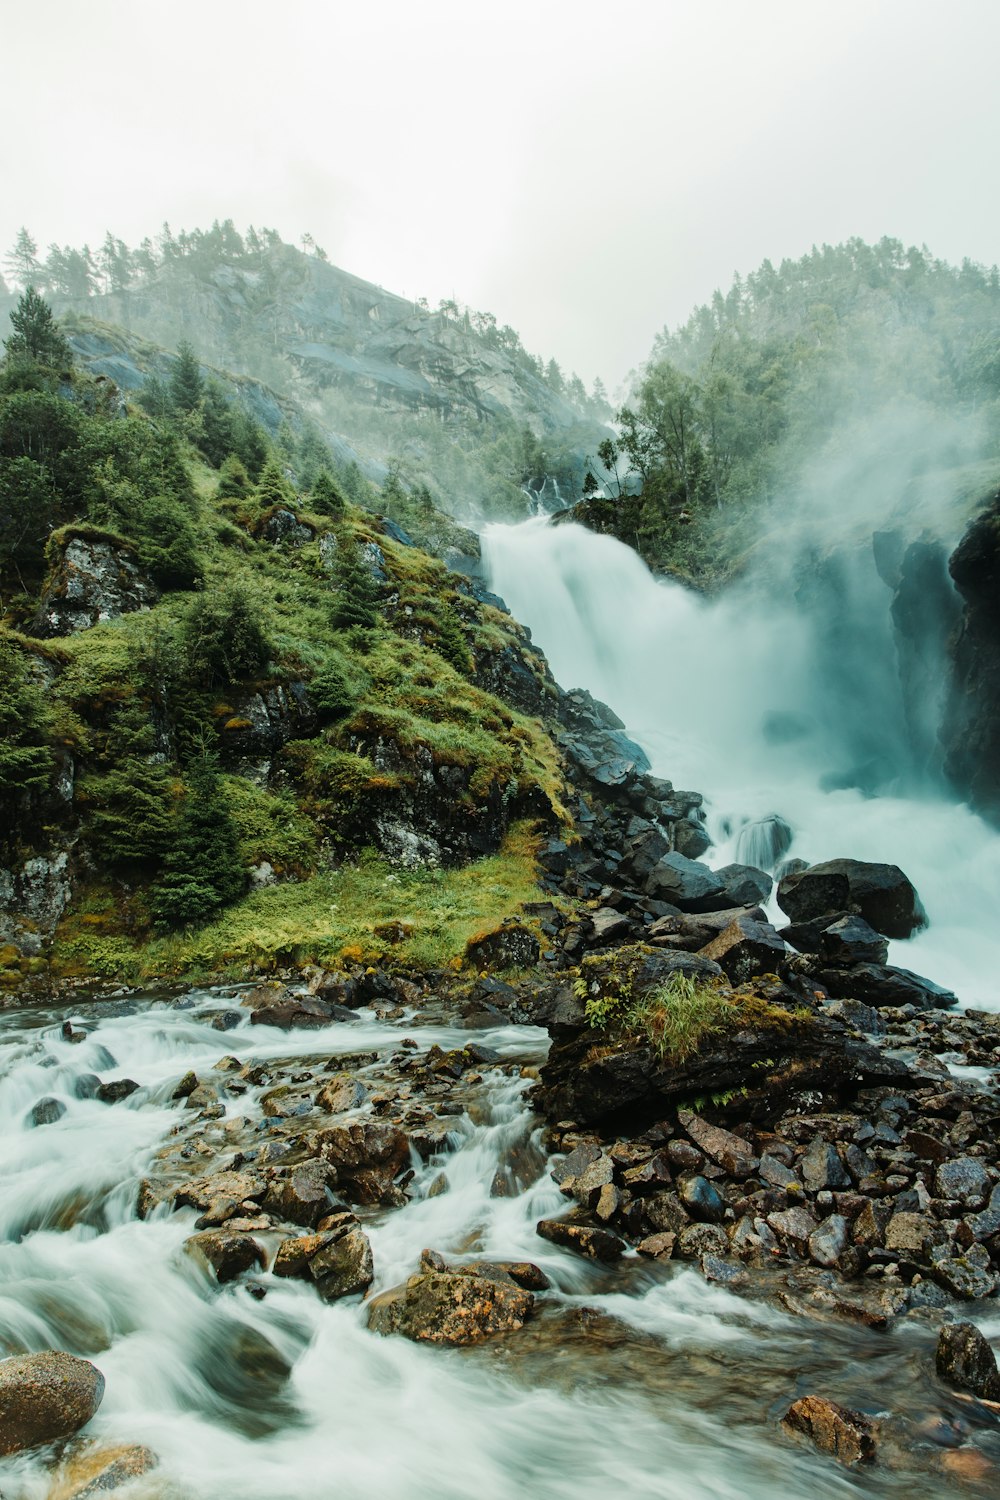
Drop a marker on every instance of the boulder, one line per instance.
(93, 578)
(967, 1274)
(845, 1434)
(828, 1243)
(302, 1196)
(963, 1180)
(46, 1396)
(702, 1200)
(292, 1013)
(46, 1111)
(880, 893)
(845, 939)
(746, 948)
(595, 1244)
(731, 1152)
(880, 985)
(450, 1308)
(686, 883)
(510, 947)
(116, 1091)
(965, 1359)
(342, 1094)
(229, 1254)
(745, 885)
(367, 1156)
(99, 1470)
(339, 1260)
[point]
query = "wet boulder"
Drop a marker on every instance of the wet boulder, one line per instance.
(965, 1359)
(880, 893)
(508, 947)
(339, 1260)
(291, 1012)
(44, 1397)
(342, 1094)
(687, 884)
(964, 1180)
(584, 1239)
(117, 1090)
(449, 1308)
(46, 1111)
(745, 885)
(845, 1434)
(702, 1200)
(840, 939)
(302, 1195)
(730, 1152)
(746, 948)
(228, 1253)
(98, 1470)
(367, 1156)
(881, 986)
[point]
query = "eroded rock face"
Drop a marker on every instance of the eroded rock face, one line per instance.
(44, 1397)
(93, 581)
(450, 1308)
(971, 726)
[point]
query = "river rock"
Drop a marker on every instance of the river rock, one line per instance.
(821, 1167)
(745, 885)
(509, 947)
(45, 1396)
(595, 1244)
(367, 1156)
(47, 1111)
(342, 1265)
(967, 1274)
(882, 985)
(828, 1243)
(342, 1094)
(228, 1254)
(702, 1200)
(796, 1226)
(963, 1180)
(115, 1092)
(302, 1196)
(686, 883)
(746, 948)
(291, 1012)
(731, 1152)
(843, 939)
(99, 1470)
(449, 1308)
(965, 1359)
(880, 893)
(836, 1430)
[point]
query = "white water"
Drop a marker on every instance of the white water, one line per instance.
(286, 1397)
(693, 679)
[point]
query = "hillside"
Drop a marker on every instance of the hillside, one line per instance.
(454, 399)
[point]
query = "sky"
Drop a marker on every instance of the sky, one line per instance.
(588, 172)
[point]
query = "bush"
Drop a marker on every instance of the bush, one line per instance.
(131, 813)
(223, 637)
(166, 543)
(331, 693)
(202, 871)
(26, 761)
(326, 499)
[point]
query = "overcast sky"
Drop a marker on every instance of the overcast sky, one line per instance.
(586, 171)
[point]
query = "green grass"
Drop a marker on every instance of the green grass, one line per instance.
(676, 1019)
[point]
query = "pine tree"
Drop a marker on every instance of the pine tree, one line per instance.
(25, 758)
(234, 481)
(273, 488)
(203, 870)
(326, 499)
(36, 335)
(186, 385)
(356, 594)
(450, 642)
(22, 261)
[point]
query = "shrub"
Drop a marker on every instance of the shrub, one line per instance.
(25, 758)
(326, 499)
(202, 871)
(356, 594)
(223, 637)
(331, 693)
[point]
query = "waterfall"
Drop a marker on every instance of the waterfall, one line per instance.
(737, 697)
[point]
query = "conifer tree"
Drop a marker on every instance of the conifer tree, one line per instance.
(203, 871)
(354, 605)
(326, 499)
(36, 336)
(25, 758)
(186, 384)
(22, 260)
(272, 487)
(234, 481)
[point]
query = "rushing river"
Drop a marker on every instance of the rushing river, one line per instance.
(677, 1394)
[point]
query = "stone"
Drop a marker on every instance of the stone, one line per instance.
(608, 926)
(795, 1226)
(881, 985)
(702, 1200)
(776, 1174)
(821, 1167)
(871, 1224)
(303, 1196)
(753, 1240)
(965, 1359)
(508, 947)
(343, 1265)
(722, 1271)
(698, 1240)
(449, 1308)
(114, 1093)
(881, 893)
(228, 1254)
(845, 1434)
(587, 1188)
(664, 1212)
(99, 1470)
(292, 1013)
(967, 1275)
(92, 580)
(46, 1111)
(342, 1094)
(908, 1232)
(732, 1153)
(746, 948)
(186, 1086)
(828, 1243)
(593, 1243)
(44, 1397)
(686, 883)
(745, 885)
(367, 1155)
(657, 1246)
(691, 837)
(963, 1180)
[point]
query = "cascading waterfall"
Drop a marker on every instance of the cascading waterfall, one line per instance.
(732, 697)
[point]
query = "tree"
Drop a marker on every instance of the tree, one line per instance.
(26, 762)
(273, 488)
(22, 261)
(224, 637)
(355, 588)
(186, 385)
(36, 336)
(203, 870)
(607, 452)
(326, 499)
(234, 481)
(28, 509)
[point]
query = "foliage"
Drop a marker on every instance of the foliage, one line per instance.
(202, 870)
(186, 385)
(224, 638)
(331, 692)
(130, 810)
(356, 595)
(234, 481)
(325, 498)
(26, 763)
(36, 336)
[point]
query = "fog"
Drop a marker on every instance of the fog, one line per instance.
(586, 173)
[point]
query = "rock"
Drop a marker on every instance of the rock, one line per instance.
(846, 939)
(449, 1308)
(303, 1196)
(186, 1087)
(837, 1430)
(657, 1246)
(828, 1243)
(752, 1240)
(686, 883)
(970, 723)
(228, 1254)
(691, 837)
(702, 1200)
(99, 1470)
(227, 1020)
(367, 1155)
(47, 1111)
(510, 947)
(595, 1244)
(45, 1396)
(776, 1174)
(963, 1180)
(968, 1274)
(745, 885)
(85, 1086)
(723, 1272)
(821, 1167)
(342, 1266)
(342, 1094)
(698, 1240)
(795, 1226)
(114, 1093)
(908, 1232)
(965, 1359)
(880, 893)
(746, 948)
(92, 579)
(881, 985)
(292, 1013)
(608, 926)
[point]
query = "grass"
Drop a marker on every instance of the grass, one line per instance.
(677, 1018)
(344, 916)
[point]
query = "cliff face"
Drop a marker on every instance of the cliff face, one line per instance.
(972, 727)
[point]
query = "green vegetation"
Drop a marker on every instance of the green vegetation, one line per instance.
(678, 1018)
(760, 386)
(276, 702)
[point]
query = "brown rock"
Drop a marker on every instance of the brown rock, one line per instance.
(449, 1308)
(228, 1254)
(303, 1196)
(45, 1396)
(837, 1430)
(343, 1265)
(966, 1359)
(98, 1470)
(595, 1244)
(657, 1246)
(367, 1155)
(731, 1152)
